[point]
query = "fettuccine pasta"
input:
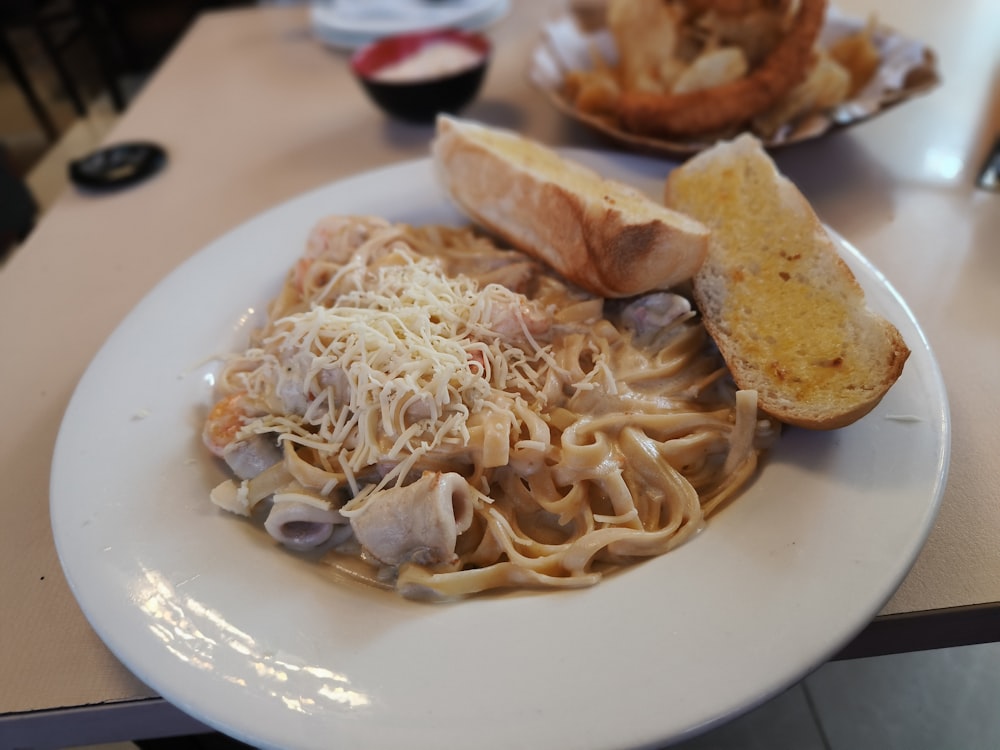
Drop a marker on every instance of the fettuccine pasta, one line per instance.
(455, 418)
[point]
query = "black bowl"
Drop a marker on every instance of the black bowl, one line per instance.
(405, 77)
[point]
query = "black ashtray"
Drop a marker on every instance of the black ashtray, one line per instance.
(416, 76)
(117, 166)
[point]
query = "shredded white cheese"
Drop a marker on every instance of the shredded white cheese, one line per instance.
(416, 354)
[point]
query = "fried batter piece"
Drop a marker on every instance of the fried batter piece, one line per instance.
(595, 91)
(648, 37)
(859, 55)
(731, 105)
(756, 33)
(712, 68)
(827, 85)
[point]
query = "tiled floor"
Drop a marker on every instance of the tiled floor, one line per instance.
(937, 700)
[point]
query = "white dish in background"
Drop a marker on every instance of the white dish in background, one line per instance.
(273, 650)
(354, 23)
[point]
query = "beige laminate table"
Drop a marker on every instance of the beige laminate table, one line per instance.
(253, 111)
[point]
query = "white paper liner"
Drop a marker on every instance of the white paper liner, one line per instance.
(908, 68)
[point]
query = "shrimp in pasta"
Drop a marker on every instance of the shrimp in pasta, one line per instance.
(454, 418)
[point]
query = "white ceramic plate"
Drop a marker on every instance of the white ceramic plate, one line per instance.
(270, 649)
(343, 24)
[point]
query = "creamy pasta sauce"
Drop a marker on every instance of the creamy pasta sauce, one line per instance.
(455, 418)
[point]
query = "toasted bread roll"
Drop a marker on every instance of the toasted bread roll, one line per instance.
(602, 235)
(787, 314)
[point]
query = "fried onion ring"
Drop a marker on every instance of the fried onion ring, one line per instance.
(732, 104)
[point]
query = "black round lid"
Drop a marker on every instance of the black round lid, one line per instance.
(117, 166)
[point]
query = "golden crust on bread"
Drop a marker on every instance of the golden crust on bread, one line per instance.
(602, 235)
(786, 312)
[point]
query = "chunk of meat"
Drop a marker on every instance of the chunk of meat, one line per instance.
(651, 313)
(515, 318)
(419, 522)
(336, 238)
(248, 458)
(299, 525)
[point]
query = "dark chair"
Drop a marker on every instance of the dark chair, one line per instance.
(58, 24)
(18, 208)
